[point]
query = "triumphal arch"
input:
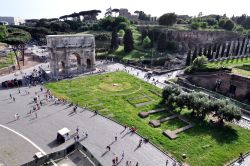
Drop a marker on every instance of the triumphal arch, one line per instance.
(71, 54)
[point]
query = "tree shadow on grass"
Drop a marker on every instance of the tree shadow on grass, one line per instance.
(222, 134)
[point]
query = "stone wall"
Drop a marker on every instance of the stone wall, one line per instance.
(228, 82)
(61, 47)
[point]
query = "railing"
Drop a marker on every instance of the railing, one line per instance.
(238, 160)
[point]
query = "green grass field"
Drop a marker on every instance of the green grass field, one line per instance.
(6, 61)
(204, 145)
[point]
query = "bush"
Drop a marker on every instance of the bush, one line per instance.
(146, 42)
(121, 33)
(203, 24)
(195, 25)
(122, 25)
(199, 63)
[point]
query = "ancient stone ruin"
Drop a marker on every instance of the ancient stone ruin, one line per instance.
(71, 54)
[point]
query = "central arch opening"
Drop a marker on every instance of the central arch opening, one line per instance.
(61, 65)
(88, 63)
(74, 61)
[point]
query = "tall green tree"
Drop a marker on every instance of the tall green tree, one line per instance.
(18, 38)
(229, 25)
(128, 41)
(115, 11)
(3, 32)
(168, 19)
(114, 40)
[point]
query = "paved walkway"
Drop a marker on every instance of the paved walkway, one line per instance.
(42, 130)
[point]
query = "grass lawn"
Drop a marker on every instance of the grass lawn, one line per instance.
(6, 61)
(230, 62)
(205, 144)
(241, 72)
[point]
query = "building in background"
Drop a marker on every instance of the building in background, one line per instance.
(125, 13)
(12, 20)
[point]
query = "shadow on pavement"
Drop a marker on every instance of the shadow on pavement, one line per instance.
(11, 121)
(53, 144)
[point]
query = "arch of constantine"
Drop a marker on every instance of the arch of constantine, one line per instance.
(71, 54)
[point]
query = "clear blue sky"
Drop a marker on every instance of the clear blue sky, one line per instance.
(55, 8)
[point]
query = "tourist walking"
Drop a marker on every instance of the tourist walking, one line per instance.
(86, 134)
(77, 130)
(137, 164)
(14, 99)
(166, 162)
(123, 154)
(10, 95)
(17, 116)
(36, 115)
(116, 159)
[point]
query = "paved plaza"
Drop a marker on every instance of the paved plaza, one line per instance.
(39, 134)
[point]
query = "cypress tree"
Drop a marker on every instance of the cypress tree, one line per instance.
(114, 41)
(128, 41)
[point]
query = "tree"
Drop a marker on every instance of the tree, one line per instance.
(188, 60)
(203, 24)
(168, 19)
(222, 23)
(199, 63)
(108, 12)
(162, 41)
(143, 16)
(146, 42)
(17, 38)
(114, 40)
(229, 25)
(3, 32)
(170, 90)
(115, 11)
(121, 33)
(195, 25)
(128, 41)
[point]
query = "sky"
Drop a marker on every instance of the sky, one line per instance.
(29, 9)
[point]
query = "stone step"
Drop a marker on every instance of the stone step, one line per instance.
(168, 118)
(157, 110)
(170, 134)
(183, 128)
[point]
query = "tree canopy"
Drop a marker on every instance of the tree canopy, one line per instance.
(168, 19)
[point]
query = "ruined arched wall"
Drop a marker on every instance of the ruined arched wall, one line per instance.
(60, 47)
